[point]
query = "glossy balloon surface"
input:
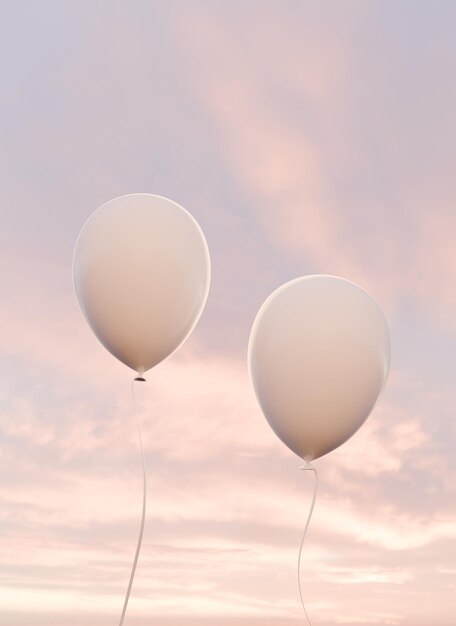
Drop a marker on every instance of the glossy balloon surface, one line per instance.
(319, 355)
(141, 275)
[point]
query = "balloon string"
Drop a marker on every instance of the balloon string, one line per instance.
(310, 467)
(141, 531)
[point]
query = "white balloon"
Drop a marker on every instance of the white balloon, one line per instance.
(141, 274)
(319, 355)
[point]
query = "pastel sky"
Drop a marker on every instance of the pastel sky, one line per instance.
(305, 137)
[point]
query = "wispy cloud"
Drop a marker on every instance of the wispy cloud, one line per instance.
(292, 136)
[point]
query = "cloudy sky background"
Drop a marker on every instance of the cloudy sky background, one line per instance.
(305, 137)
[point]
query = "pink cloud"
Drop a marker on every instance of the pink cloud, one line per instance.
(288, 172)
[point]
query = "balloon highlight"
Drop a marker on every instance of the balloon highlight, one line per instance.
(318, 355)
(141, 274)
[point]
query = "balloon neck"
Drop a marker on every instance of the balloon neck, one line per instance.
(307, 465)
(140, 377)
